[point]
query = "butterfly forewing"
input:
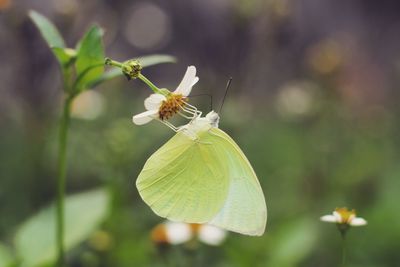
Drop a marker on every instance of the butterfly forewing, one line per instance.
(184, 181)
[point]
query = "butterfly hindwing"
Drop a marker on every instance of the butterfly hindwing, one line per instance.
(183, 181)
(244, 210)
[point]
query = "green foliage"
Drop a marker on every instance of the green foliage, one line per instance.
(90, 57)
(52, 37)
(151, 60)
(6, 259)
(47, 29)
(64, 55)
(35, 238)
(293, 242)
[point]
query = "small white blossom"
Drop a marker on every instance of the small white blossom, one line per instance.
(211, 235)
(175, 233)
(173, 100)
(178, 233)
(344, 216)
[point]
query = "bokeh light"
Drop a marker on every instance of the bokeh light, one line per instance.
(147, 26)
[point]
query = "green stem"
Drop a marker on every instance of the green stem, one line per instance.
(149, 84)
(110, 62)
(62, 171)
(343, 251)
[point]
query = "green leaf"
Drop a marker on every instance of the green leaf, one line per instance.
(53, 38)
(90, 57)
(294, 241)
(146, 61)
(47, 29)
(64, 55)
(151, 60)
(5, 256)
(35, 239)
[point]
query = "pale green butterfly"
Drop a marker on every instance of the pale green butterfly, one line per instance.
(202, 176)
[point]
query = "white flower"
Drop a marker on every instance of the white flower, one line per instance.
(211, 235)
(344, 216)
(175, 233)
(164, 106)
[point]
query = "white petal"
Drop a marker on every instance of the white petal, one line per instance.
(211, 235)
(178, 233)
(195, 80)
(329, 218)
(358, 222)
(187, 82)
(351, 217)
(154, 101)
(338, 217)
(144, 117)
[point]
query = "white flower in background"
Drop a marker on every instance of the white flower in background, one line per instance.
(165, 104)
(211, 235)
(344, 216)
(178, 233)
(175, 233)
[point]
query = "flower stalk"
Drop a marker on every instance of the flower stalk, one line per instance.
(344, 219)
(132, 70)
(155, 89)
(108, 61)
(62, 172)
(343, 250)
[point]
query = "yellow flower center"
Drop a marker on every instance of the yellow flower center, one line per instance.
(195, 227)
(171, 106)
(346, 214)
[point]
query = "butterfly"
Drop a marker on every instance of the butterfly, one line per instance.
(202, 176)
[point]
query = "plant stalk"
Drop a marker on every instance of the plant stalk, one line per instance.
(343, 251)
(62, 172)
(149, 84)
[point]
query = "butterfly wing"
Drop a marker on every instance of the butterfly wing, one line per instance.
(244, 210)
(183, 181)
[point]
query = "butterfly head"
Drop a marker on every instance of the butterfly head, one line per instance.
(213, 118)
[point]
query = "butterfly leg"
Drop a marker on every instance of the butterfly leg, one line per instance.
(191, 110)
(194, 109)
(185, 116)
(170, 125)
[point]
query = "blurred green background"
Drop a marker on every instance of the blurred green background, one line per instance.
(313, 104)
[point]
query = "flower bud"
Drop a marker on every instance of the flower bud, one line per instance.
(131, 68)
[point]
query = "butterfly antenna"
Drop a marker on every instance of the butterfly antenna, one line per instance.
(228, 84)
(211, 103)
